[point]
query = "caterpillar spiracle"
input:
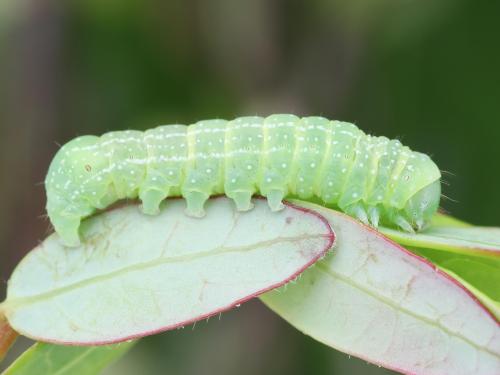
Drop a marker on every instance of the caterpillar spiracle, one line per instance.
(373, 179)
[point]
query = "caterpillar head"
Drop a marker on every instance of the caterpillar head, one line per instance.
(423, 204)
(75, 186)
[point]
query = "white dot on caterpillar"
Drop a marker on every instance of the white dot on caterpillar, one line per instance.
(249, 167)
(193, 180)
(354, 195)
(269, 179)
(170, 173)
(301, 179)
(154, 178)
(132, 172)
(344, 170)
(233, 180)
(283, 165)
(313, 165)
(330, 183)
(209, 170)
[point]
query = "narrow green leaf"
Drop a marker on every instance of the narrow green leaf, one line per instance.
(442, 220)
(52, 359)
(136, 275)
(376, 300)
(476, 241)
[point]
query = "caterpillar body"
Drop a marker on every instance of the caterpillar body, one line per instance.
(373, 179)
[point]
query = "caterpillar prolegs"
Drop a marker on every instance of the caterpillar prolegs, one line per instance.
(373, 179)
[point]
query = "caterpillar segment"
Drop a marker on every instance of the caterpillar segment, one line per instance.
(374, 179)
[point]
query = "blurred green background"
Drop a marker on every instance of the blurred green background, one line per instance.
(427, 72)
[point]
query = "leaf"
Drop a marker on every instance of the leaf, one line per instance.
(477, 241)
(136, 275)
(480, 275)
(442, 220)
(7, 337)
(375, 300)
(52, 359)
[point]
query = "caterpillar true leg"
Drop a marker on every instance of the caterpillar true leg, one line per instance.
(403, 224)
(374, 216)
(358, 211)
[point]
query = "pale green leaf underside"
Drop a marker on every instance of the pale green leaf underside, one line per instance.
(374, 300)
(52, 359)
(137, 274)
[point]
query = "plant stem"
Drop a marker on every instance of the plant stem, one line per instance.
(7, 336)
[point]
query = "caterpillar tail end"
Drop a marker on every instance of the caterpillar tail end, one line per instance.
(274, 199)
(195, 200)
(151, 200)
(67, 229)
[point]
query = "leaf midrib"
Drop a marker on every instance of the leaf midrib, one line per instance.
(330, 272)
(12, 302)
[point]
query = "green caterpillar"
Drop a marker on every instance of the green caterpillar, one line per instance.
(373, 179)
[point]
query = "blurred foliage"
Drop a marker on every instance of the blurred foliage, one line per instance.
(425, 71)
